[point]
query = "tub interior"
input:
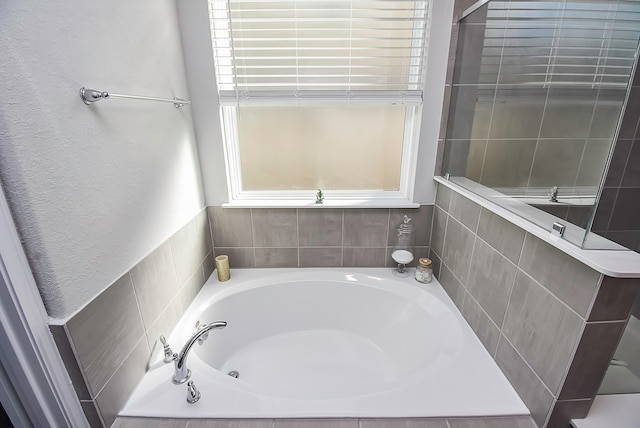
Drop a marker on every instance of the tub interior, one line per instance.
(296, 339)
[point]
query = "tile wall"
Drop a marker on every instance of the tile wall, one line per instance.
(314, 237)
(550, 322)
(107, 344)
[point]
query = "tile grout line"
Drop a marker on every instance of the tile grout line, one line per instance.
(342, 241)
(253, 244)
(513, 285)
(539, 284)
(298, 234)
(528, 365)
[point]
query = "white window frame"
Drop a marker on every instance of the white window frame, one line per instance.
(403, 197)
(333, 198)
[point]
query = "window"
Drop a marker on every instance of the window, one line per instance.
(320, 94)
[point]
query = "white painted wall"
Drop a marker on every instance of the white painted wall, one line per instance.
(93, 189)
(194, 20)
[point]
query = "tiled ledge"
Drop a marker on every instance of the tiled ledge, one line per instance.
(495, 422)
(614, 263)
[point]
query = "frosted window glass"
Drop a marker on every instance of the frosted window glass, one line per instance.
(327, 147)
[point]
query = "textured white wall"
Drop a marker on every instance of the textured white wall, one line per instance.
(93, 189)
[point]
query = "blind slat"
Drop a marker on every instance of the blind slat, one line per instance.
(308, 51)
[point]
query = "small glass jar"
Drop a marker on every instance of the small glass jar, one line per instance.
(424, 271)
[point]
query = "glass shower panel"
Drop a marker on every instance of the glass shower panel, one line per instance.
(537, 94)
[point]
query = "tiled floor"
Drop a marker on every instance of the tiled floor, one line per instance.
(496, 422)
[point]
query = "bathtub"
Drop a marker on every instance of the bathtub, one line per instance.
(327, 343)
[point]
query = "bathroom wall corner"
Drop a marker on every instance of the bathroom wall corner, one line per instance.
(555, 352)
(107, 344)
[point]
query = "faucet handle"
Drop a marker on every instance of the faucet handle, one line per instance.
(193, 395)
(169, 356)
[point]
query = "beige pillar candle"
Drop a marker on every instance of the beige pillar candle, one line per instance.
(222, 266)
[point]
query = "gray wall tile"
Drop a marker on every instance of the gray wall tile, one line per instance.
(451, 285)
(421, 219)
(276, 257)
(233, 423)
(277, 227)
(190, 245)
(104, 332)
(91, 412)
(155, 283)
(570, 280)
(71, 364)
(501, 234)
(191, 288)
(231, 227)
(592, 357)
(317, 423)
(568, 113)
(208, 266)
(563, 411)
(465, 211)
(618, 161)
(238, 257)
(443, 197)
(532, 392)
(593, 161)
(626, 210)
(440, 218)
(614, 299)
(631, 177)
(363, 257)
(458, 248)
(517, 113)
(320, 227)
(556, 163)
(117, 391)
(124, 422)
(164, 325)
(366, 227)
(485, 329)
(403, 423)
(496, 422)
(491, 280)
(436, 262)
(542, 329)
(320, 257)
(507, 163)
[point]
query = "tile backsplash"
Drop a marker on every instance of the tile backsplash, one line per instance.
(538, 312)
(314, 237)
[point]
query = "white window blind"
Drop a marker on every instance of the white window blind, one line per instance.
(305, 51)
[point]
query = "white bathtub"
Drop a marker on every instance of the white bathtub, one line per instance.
(328, 343)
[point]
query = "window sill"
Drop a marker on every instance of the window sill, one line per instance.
(328, 203)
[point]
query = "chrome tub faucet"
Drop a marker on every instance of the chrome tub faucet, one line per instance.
(182, 373)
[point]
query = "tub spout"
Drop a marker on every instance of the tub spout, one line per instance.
(182, 373)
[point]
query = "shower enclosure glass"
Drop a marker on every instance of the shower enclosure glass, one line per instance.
(538, 94)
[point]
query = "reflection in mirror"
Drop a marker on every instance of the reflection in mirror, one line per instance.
(537, 95)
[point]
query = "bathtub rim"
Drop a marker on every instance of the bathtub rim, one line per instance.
(156, 397)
